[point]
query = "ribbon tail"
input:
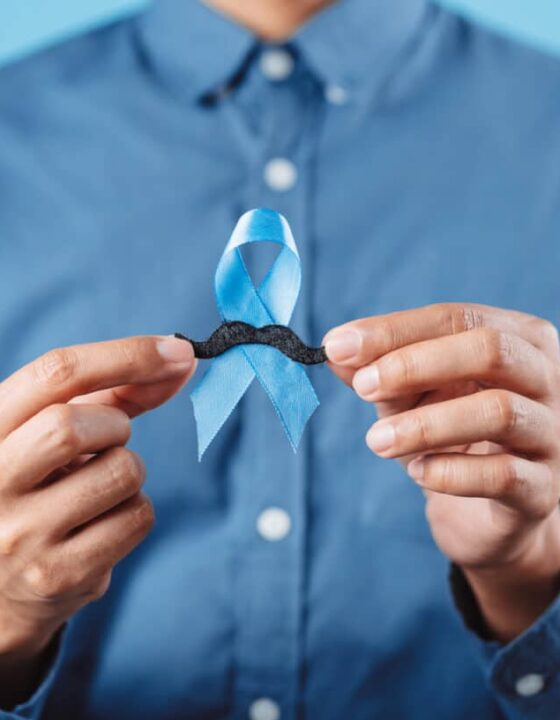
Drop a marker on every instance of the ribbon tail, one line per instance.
(287, 386)
(217, 394)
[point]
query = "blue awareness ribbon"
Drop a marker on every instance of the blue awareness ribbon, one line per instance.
(272, 302)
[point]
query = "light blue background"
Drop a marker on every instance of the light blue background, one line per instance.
(26, 24)
(536, 21)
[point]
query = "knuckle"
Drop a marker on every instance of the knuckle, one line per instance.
(416, 429)
(138, 352)
(547, 332)
(125, 468)
(423, 431)
(45, 581)
(388, 330)
(463, 318)
(496, 348)
(62, 430)
(503, 411)
(132, 351)
(399, 368)
(55, 367)
(546, 329)
(141, 515)
(512, 479)
(98, 589)
(12, 537)
(443, 472)
(507, 479)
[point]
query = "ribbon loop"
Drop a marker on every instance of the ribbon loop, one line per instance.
(272, 302)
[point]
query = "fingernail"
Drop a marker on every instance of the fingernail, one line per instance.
(415, 469)
(343, 346)
(175, 350)
(366, 381)
(381, 437)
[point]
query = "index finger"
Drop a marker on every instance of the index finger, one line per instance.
(63, 373)
(362, 341)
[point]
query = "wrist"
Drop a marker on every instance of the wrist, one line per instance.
(22, 669)
(22, 639)
(25, 649)
(513, 594)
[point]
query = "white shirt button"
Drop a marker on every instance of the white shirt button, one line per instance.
(274, 524)
(264, 709)
(529, 685)
(336, 95)
(280, 174)
(276, 64)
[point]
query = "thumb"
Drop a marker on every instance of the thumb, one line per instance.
(137, 399)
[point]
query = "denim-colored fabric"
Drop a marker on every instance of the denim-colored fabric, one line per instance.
(427, 154)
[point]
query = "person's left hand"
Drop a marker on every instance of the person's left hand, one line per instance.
(469, 401)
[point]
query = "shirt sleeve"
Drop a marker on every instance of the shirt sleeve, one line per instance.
(524, 675)
(32, 708)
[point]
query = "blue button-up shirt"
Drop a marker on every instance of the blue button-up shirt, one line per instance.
(424, 158)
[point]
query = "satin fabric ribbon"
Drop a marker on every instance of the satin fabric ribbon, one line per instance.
(272, 302)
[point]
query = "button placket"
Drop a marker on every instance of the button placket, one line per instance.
(271, 491)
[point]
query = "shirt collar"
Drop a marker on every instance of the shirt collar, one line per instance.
(355, 43)
(351, 43)
(193, 46)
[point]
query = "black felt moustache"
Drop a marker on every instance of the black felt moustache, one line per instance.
(230, 334)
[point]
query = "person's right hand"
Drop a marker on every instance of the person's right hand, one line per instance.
(71, 505)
